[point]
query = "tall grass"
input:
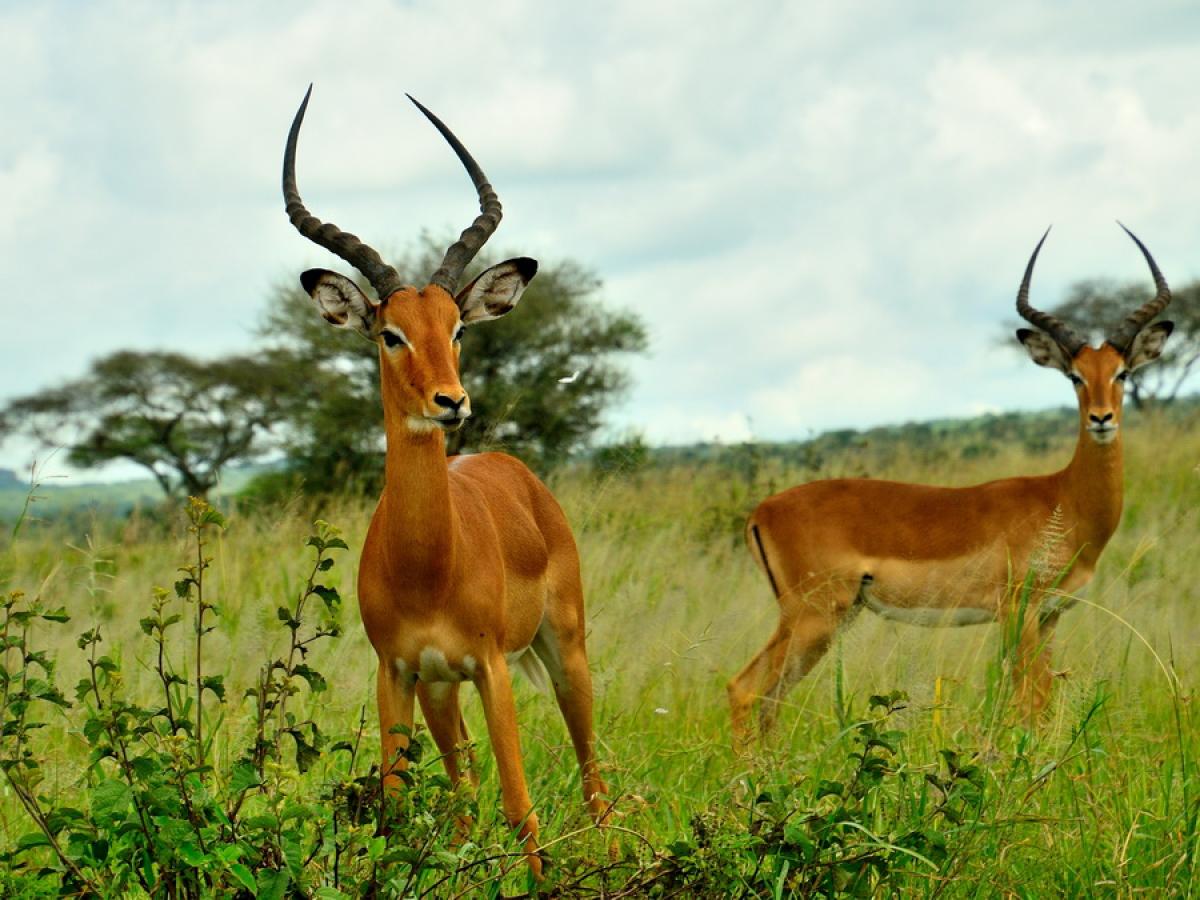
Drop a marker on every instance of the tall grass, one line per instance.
(1101, 799)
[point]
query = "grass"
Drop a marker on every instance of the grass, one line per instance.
(1101, 800)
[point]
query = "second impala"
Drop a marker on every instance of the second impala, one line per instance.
(1013, 550)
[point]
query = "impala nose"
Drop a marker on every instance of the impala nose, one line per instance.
(1101, 420)
(445, 401)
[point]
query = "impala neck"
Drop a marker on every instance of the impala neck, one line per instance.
(415, 506)
(1094, 483)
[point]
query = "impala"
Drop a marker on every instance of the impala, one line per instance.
(1014, 550)
(469, 564)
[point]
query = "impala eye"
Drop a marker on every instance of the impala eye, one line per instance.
(458, 333)
(1124, 375)
(393, 340)
(1075, 379)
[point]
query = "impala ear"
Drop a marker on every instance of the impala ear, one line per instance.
(340, 301)
(496, 290)
(1148, 345)
(1045, 350)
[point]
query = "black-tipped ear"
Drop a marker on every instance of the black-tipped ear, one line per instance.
(496, 290)
(339, 301)
(526, 267)
(309, 279)
(1148, 345)
(1045, 350)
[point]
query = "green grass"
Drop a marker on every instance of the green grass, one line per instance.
(1099, 801)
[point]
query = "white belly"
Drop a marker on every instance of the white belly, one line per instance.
(926, 616)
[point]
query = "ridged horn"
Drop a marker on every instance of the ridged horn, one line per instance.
(385, 279)
(1123, 337)
(1052, 325)
(462, 251)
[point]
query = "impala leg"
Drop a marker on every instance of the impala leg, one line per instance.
(1031, 673)
(394, 694)
(796, 646)
(757, 677)
(495, 689)
(440, 707)
(810, 639)
(565, 658)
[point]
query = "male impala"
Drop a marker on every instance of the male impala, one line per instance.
(469, 564)
(954, 556)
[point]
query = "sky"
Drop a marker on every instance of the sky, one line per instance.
(821, 211)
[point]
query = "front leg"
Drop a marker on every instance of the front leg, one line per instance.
(395, 694)
(1031, 672)
(495, 689)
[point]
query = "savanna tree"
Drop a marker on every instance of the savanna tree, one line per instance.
(181, 418)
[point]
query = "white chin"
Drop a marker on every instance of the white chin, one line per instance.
(421, 424)
(1104, 437)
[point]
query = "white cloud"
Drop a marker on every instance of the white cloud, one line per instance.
(822, 211)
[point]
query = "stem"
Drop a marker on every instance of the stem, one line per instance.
(119, 745)
(199, 641)
(35, 812)
(296, 645)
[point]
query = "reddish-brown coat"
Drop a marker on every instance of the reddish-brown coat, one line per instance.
(919, 546)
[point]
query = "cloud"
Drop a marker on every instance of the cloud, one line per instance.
(822, 212)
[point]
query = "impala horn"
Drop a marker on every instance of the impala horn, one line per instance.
(1123, 337)
(462, 251)
(1053, 326)
(382, 277)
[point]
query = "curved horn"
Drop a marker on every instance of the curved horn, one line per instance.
(383, 277)
(1123, 337)
(462, 251)
(1053, 326)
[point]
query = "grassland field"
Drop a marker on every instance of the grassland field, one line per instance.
(1100, 800)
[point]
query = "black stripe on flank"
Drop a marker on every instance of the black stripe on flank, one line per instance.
(766, 565)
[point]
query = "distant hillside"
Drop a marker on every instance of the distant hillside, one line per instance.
(868, 449)
(56, 497)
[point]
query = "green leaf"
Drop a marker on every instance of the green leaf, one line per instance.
(272, 883)
(243, 777)
(191, 855)
(830, 788)
(145, 767)
(262, 822)
(31, 840)
(330, 596)
(183, 587)
(216, 684)
(110, 798)
(316, 681)
(57, 615)
(244, 878)
(325, 565)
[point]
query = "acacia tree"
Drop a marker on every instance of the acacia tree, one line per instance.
(1095, 307)
(182, 419)
(539, 380)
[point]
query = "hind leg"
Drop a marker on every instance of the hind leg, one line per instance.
(563, 651)
(439, 705)
(807, 624)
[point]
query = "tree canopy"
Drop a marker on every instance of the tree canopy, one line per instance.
(182, 419)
